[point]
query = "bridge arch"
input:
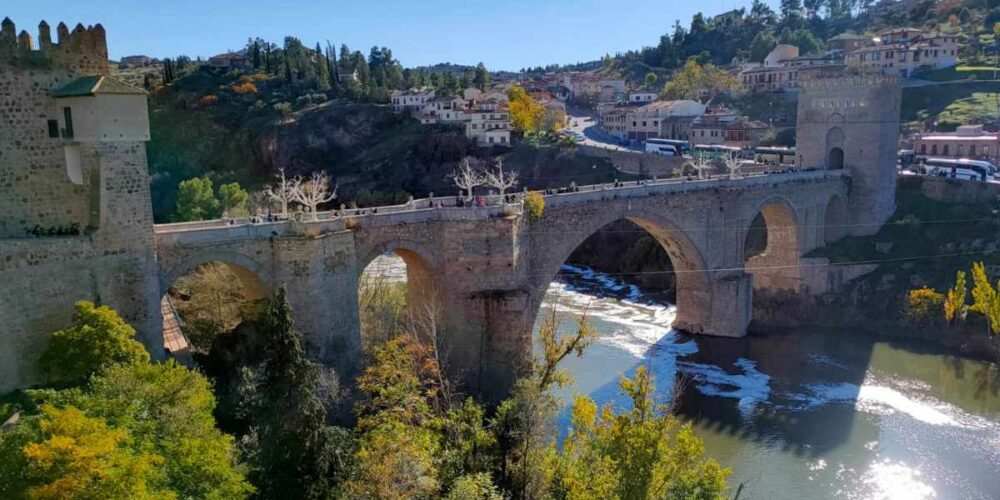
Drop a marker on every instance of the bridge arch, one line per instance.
(423, 295)
(693, 281)
(775, 266)
(238, 260)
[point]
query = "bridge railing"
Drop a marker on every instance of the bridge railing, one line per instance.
(460, 208)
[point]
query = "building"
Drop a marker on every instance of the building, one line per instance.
(845, 43)
(136, 61)
(969, 141)
(488, 125)
(613, 120)
(727, 129)
(413, 100)
(646, 122)
(229, 60)
(76, 219)
(905, 52)
(642, 97)
(780, 72)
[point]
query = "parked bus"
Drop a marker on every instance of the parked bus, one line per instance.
(774, 156)
(662, 149)
(973, 170)
(681, 147)
(716, 151)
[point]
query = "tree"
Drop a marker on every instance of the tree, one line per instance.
(315, 191)
(283, 191)
(76, 456)
(534, 205)
(686, 83)
(293, 448)
(467, 178)
(701, 164)
(97, 338)
(790, 10)
(649, 82)
(954, 302)
(500, 180)
(233, 199)
(196, 200)
(482, 77)
(733, 163)
(763, 43)
(986, 299)
(526, 115)
(641, 453)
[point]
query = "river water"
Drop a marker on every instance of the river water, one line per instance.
(796, 415)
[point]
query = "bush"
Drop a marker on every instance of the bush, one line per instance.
(209, 100)
(924, 306)
(534, 205)
(351, 224)
(98, 338)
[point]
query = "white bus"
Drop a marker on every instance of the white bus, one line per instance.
(682, 147)
(663, 147)
(972, 170)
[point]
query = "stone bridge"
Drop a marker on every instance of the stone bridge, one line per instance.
(485, 270)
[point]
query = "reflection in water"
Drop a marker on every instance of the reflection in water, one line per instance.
(800, 415)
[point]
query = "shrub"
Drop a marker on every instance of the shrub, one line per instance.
(534, 205)
(351, 224)
(923, 306)
(245, 88)
(208, 100)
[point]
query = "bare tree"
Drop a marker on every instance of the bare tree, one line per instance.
(499, 179)
(467, 178)
(283, 191)
(733, 163)
(260, 202)
(702, 164)
(314, 191)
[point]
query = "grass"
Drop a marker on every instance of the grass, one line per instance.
(958, 73)
(923, 103)
(978, 108)
(921, 228)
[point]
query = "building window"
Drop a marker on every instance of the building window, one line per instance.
(923, 149)
(54, 129)
(68, 120)
(945, 150)
(972, 150)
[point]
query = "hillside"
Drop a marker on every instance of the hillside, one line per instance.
(243, 128)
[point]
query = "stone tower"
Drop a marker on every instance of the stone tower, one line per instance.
(851, 121)
(75, 210)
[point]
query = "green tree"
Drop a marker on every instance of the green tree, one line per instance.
(482, 78)
(649, 82)
(196, 200)
(763, 43)
(233, 199)
(293, 453)
(97, 338)
(643, 453)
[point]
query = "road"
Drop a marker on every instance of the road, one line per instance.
(582, 123)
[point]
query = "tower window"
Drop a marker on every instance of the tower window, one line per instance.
(54, 129)
(68, 119)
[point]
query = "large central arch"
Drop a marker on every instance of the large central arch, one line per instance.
(694, 287)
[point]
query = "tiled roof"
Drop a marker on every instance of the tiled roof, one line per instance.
(93, 85)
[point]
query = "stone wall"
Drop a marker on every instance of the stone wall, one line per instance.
(954, 190)
(636, 163)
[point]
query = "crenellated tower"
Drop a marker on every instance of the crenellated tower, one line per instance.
(852, 121)
(75, 210)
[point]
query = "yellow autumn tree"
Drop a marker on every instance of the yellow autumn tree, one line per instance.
(691, 79)
(80, 457)
(526, 115)
(954, 302)
(986, 299)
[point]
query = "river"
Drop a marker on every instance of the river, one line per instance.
(796, 415)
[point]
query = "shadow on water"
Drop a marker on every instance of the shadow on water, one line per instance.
(745, 388)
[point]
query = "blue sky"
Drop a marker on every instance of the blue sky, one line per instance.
(504, 34)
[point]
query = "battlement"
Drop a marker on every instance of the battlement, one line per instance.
(83, 51)
(847, 79)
